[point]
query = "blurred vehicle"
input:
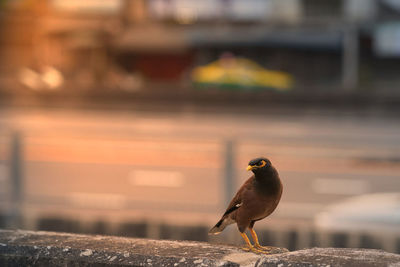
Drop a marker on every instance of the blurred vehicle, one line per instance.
(379, 212)
(240, 73)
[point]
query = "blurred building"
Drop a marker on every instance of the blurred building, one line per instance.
(126, 44)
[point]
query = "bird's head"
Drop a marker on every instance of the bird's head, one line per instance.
(258, 164)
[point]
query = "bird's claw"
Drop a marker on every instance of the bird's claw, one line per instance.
(263, 248)
(255, 250)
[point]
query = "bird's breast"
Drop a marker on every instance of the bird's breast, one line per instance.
(268, 187)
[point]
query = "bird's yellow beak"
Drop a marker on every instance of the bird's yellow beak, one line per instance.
(249, 168)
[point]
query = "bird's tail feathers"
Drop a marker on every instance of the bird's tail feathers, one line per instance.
(220, 226)
(214, 231)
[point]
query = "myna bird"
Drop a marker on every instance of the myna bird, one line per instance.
(256, 199)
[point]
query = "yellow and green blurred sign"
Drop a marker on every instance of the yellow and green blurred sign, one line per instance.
(240, 73)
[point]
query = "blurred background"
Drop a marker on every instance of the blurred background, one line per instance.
(138, 118)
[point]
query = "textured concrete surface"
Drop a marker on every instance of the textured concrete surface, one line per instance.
(329, 257)
(28, 248)
(23, 248)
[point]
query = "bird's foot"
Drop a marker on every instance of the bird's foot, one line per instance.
(266, 248)
(271, 250)
(254, 250)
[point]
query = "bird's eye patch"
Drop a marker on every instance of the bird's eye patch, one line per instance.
(261, 163)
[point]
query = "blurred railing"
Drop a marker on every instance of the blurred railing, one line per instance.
(55, 203)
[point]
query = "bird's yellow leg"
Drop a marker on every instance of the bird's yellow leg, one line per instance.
(255, 239)
(249, 247)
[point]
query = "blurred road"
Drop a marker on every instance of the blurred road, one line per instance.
(171, 167)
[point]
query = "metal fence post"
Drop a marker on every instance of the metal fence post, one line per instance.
(350, 59)
(14, 218)
(229, 170)
(230, 234)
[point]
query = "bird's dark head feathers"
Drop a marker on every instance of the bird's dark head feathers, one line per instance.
(258, 164)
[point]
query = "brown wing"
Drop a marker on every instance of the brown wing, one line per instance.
(236, 202)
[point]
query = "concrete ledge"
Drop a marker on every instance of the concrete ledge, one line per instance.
(329, 257)
(28, 248)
